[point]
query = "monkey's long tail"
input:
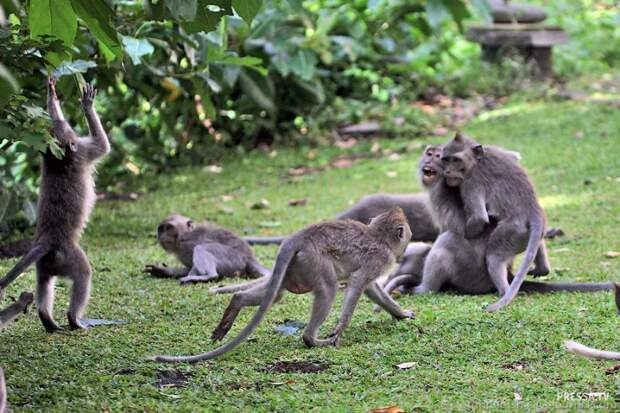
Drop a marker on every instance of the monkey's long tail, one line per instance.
(288, 250)
(536, 233)
(37, 251)
(264, 240)
(542, 287)
(590, 352)
(227, 289)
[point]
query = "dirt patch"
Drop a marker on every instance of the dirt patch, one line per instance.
(15, 249)
(296, 367)
(172, 378)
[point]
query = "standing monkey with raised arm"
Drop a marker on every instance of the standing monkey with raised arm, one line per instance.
(207, 252)
(66, 198)
(314, 260)
(493, 184)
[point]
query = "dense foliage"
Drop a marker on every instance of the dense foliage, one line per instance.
(183, 81)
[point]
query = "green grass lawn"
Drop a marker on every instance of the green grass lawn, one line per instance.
(464, 357)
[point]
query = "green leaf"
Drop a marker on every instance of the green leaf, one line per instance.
(54, 18)
(70, 68)
(436, 12)
(8, 85)
(259, 88)
(136, 48)
(206, 19)
(183, 10)
(97, 16)
(247, 9)
(35, 141)
(482, 9)
(458, 10)
(303, 63)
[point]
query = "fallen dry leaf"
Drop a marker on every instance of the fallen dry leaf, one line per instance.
(394, 157)
(347, 143)
(214, 169)
(518, 397)
(227, 198)
(613, 370)
(262, 204)
(298, 202)
(342, 163)
(440, 131)
(387, 409)
(391, 174)
(407, 365)
(612, 254)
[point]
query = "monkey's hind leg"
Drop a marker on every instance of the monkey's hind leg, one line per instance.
(204, 266)
(541, 261)
(45, 299)
(247, 298)
(321, 306)
(383, 299)
(80, 272)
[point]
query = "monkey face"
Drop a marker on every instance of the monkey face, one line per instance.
(169, 230)
(429, 167)
(459, 156)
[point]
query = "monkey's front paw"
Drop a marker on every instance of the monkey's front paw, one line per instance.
(407, 314)
(539, 272)
(474, 227)
(158, 271)
(88, 97)
(188, 280)
(220, 332)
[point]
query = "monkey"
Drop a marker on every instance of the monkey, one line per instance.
(4, 407)
(415, 207)
(207, 251)
(20, 306)
(590, 352)
(6, 316)
(314, 260)
(454, 261)
(493, 184)
(66, 198)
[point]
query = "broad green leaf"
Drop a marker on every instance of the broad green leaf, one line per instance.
(208, 15)
(54, 18)
(35, 141)
(436, 12)
(303, 63)
(136, 48)
(34, 111)
(259, 89)
(483, 9)
(70, 68)
(97, 16)
(458, 10)
(8, 85)
(183, 10)
(247, 9)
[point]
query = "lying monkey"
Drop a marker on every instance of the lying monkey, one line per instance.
(314, 260)
(6, 316)
(207, 252)
(590, 352)
(415, 207)
(66, 199)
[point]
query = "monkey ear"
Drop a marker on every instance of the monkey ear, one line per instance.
(73, 147)
(190, 224)
(458, 137)
(400, 231)
(478, 151)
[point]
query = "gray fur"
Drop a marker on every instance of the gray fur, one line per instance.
(207, 252)
(491, 183)
(314, 260)
(415, 206)
(66, 198)
(4, 407)
(455, 261)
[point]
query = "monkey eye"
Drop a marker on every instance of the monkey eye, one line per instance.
(163, 228)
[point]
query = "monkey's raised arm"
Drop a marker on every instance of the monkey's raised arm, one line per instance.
(97, 144)
(53, 105)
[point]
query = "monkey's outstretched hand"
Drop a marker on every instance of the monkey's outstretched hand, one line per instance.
(88, 96)
(51, 85)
